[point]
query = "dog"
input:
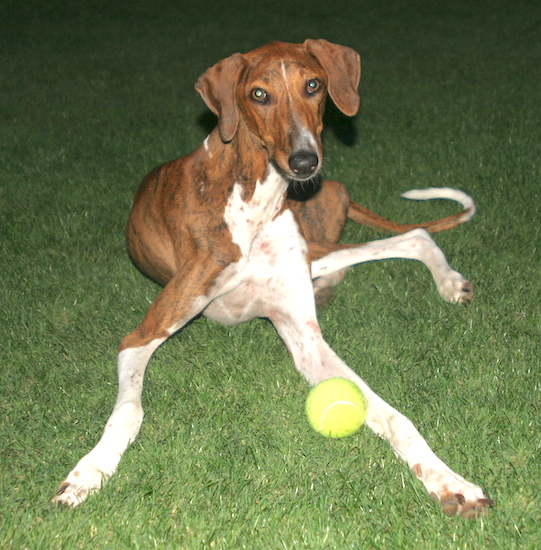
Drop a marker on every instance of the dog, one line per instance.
(218, 230)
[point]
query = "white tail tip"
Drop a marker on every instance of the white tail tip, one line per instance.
(443, 193)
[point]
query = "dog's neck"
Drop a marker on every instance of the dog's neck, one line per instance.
(223, 159)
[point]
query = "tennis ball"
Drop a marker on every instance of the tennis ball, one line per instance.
(336, 408)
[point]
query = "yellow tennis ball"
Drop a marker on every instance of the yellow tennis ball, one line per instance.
(336, 407)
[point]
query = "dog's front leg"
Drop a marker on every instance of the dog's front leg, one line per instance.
(329, 258)
(316, 361)
(121, 429)
(171, 310)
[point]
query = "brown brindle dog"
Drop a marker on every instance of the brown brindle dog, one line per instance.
(218, 231)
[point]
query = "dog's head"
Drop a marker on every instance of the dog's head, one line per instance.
(278, 93)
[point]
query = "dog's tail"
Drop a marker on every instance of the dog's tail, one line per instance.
(362, 215)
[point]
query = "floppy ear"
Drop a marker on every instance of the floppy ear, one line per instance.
(343, 68)
(217, 87)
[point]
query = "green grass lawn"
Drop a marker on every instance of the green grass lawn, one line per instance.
(92, 96)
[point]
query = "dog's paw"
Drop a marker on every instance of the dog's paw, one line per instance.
(456, 504)
(456, 289)
(455, 495)
(83, 480)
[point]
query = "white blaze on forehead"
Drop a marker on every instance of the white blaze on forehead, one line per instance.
(284, 73)
(285, 77)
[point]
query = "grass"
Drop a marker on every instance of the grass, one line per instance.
(94, 94)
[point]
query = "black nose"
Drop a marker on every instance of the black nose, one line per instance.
(303, 163)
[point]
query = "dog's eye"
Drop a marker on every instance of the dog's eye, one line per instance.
(260, 95)
(313, 86)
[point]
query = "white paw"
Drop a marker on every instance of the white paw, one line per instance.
(455, 289)
(84, 479)
(456, 496)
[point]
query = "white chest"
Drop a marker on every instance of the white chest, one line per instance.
(245, 219)
(274, 275)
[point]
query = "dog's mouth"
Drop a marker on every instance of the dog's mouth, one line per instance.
(302, 190)
(298, 182)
